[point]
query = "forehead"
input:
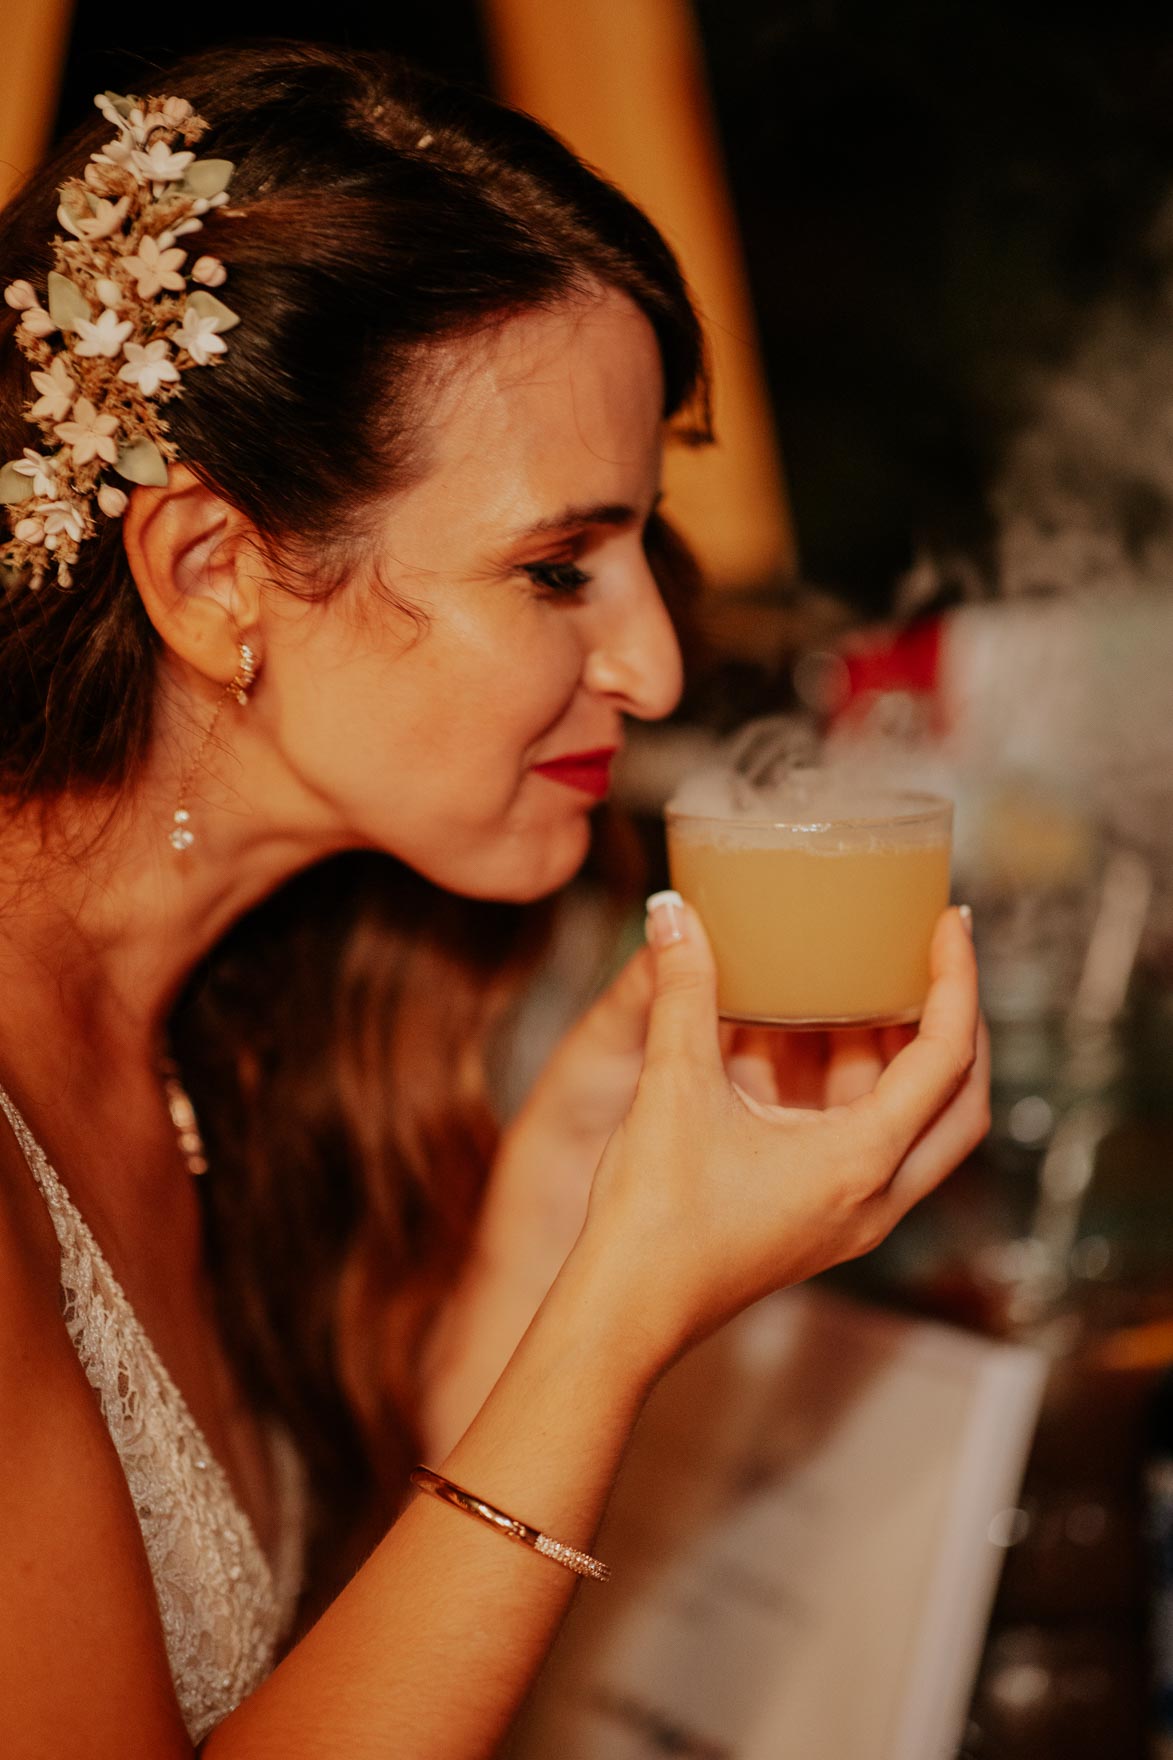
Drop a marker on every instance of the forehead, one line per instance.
(550, 407)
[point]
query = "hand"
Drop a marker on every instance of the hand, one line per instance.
(710, 1195)
(537, 1195)
(808, 1068)
(535, 1202)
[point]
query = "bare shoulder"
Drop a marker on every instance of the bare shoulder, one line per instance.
(83, 1667)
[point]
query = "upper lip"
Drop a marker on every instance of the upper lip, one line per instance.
(596, 754)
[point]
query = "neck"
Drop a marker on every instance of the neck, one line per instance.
(101, 920)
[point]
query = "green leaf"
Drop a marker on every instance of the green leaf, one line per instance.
(207, 177)
(14, 488)
(142, 462)
(208, 306)
(67, 302)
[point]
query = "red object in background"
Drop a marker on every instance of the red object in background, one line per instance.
(908, 660)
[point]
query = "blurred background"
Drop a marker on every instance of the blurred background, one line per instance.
(934, 247)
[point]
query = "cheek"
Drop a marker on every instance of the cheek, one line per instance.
(452, 720)
(497, 708)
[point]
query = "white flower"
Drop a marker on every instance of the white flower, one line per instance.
(149, 123)
(103, 103)
(62, 519)
(176, 112)
(89, 435)
(186, 226)
(40, 469)
(57, 393)
(148, 367)
(108, 292)
(20, 296)
(37, 322)
(29, 531)
(112, 501)
(103, 338)
(120, 154)
(198, 336)
(155, 269)
(104, 177)
(209, 271)
(106, 218)
(160, 165)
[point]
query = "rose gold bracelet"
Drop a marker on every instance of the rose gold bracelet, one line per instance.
(581, 1563)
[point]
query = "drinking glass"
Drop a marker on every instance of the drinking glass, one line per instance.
(821, 909)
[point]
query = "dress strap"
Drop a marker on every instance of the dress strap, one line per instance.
(51, 1188)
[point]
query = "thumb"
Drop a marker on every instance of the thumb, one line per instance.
(683, 1023)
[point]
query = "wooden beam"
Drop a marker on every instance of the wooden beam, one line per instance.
(35, 37)
(623, 82)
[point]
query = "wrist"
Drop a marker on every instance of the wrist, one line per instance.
(534, 1205)
(601, 1309)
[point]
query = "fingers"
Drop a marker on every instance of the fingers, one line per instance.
(954, 1134)
(853, 1066)
(894, 1039)
(924, 1076)
(750, 1065)
(682, 1025)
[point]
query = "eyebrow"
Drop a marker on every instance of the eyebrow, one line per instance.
(602, 513)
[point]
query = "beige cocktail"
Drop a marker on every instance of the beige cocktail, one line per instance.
(823, 915)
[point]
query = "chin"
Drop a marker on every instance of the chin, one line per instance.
(528, 868)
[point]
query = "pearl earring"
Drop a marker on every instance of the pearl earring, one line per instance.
(181, 836)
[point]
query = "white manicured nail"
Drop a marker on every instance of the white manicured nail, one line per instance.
(665, 919)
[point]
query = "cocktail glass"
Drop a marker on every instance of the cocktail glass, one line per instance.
(820, 909)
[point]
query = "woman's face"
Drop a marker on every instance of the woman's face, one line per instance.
(541, 625)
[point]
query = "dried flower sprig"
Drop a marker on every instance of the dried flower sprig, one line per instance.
(120, 326)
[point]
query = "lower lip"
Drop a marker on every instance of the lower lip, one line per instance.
(589, 775)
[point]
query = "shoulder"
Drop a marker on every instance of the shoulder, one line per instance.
(81, 1649)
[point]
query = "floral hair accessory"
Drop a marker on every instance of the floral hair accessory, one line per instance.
(120, 326)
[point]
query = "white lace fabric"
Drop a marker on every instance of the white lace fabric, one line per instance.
(224, 1606)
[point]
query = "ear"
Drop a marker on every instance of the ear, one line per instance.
(193, 558)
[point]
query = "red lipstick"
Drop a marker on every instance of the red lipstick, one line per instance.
(588, 771)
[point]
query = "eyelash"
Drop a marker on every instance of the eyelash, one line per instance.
(565, 578)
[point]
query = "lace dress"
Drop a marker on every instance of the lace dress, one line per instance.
(224, 1606)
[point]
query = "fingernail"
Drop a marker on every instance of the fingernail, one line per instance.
(966, 915)
(664, 923)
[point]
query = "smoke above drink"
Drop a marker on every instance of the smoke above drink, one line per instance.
(772, 777)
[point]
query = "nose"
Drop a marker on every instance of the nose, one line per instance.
(634, 656)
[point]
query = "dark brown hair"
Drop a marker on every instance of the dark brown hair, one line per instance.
(334, 1041)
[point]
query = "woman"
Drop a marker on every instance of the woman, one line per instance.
(392, 595)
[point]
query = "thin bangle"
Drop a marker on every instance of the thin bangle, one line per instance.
(581, 1563)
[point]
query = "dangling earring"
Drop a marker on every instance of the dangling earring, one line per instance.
(181, 836)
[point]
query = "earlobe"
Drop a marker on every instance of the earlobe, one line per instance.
(186, 549)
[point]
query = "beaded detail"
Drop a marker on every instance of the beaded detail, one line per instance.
(581, 1563)
(223, 1605)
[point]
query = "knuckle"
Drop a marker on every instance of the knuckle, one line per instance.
(881, 1148)
(672, 1083)
(683, 981)
(982, 1121)
(871, 1230)
(960, 1063)
(955, 1057)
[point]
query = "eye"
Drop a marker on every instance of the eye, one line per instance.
(557, 577)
